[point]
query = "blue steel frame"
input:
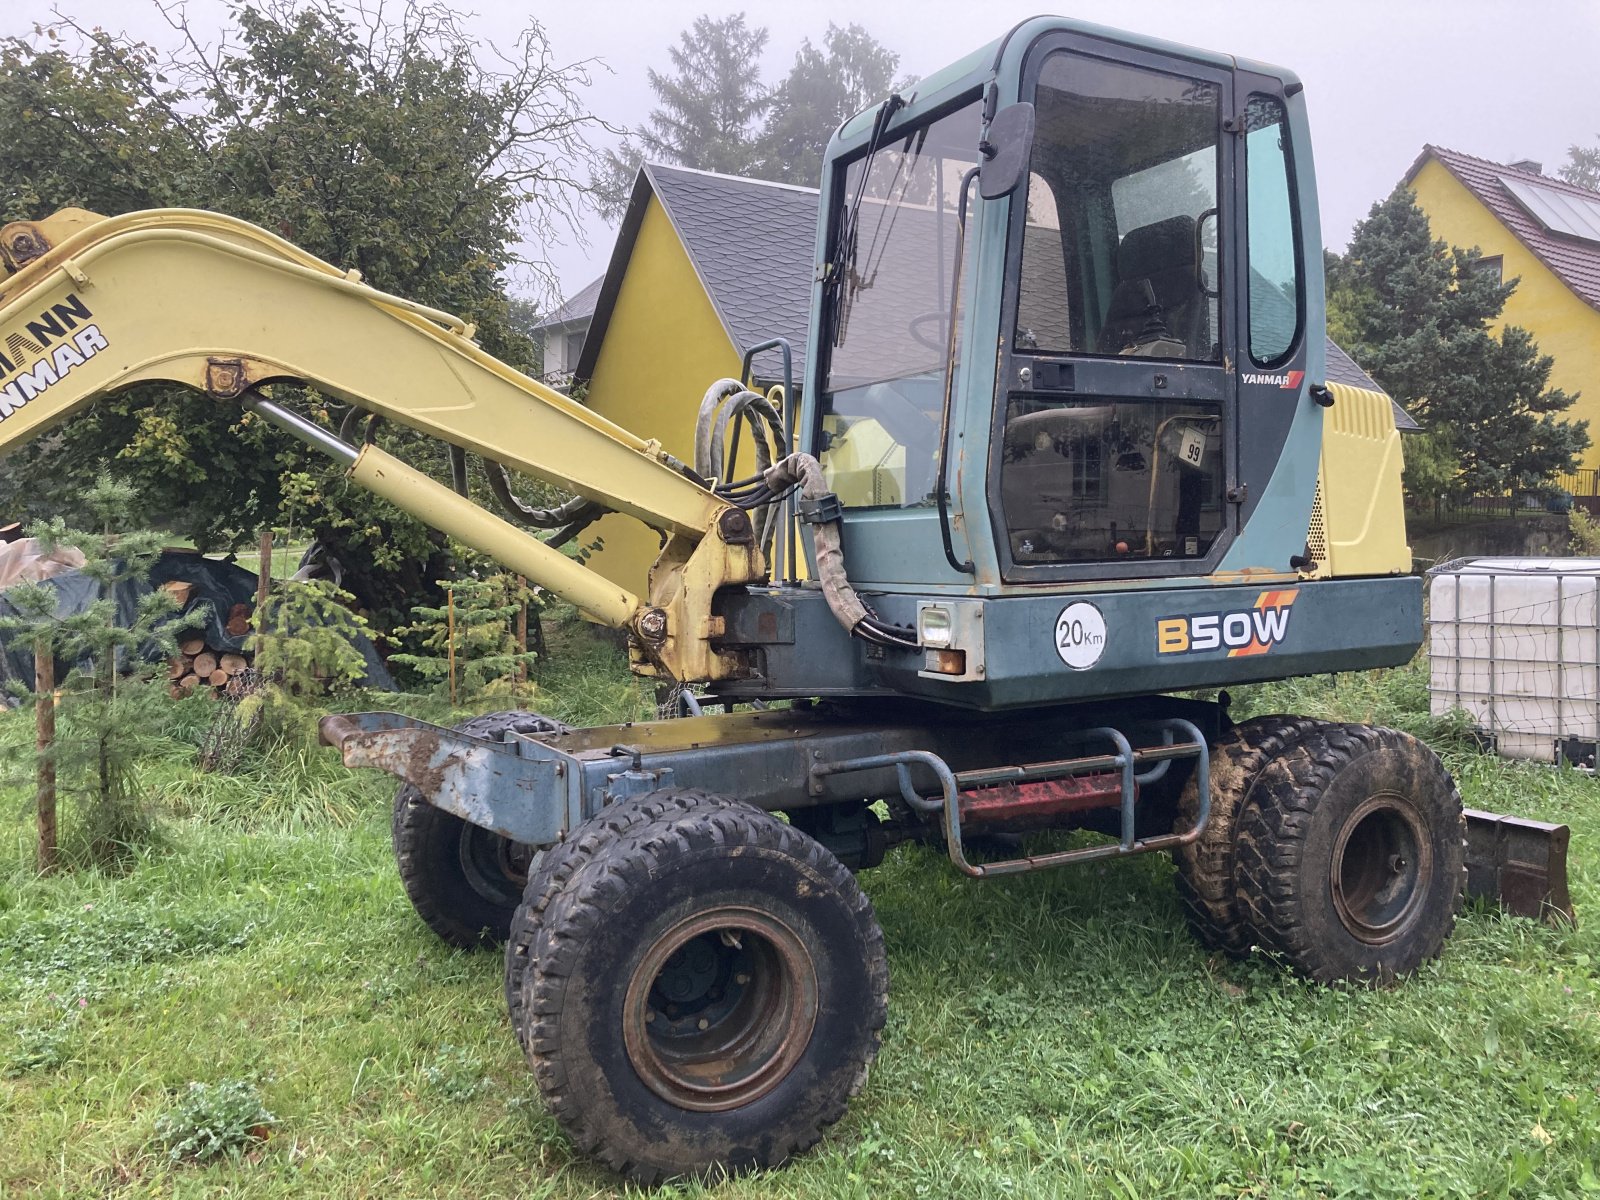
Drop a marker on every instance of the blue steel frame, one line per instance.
(532, 790)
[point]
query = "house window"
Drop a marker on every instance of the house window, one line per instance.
(1491, 264)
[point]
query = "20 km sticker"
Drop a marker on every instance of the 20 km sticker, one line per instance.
(1080, 635)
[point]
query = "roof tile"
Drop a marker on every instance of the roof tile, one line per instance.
(753, 244)
(580, 307)
(1576, 263)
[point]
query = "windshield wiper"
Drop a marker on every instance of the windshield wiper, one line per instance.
(845, 244)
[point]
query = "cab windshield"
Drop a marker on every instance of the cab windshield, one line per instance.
(887, 335)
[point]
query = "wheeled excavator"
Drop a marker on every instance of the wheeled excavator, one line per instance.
(1062, 465)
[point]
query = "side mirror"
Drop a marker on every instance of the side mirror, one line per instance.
(1006, 151)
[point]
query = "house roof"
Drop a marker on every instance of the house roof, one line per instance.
(1344, 369)
(579, 308)
(752, 244)
(1574, 261)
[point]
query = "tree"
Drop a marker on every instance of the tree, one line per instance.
(374, 137)
(473, 639)
(822, 89)
(706, 111)
(110, 699)
(1417, 314)
(1583, 167)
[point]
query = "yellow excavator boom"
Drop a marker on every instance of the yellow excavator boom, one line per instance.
(97, 304)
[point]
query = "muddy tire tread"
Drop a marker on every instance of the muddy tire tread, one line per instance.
(415, 825)
(562, 861)
(603, 865)
(1205, 877)
(1271, 834)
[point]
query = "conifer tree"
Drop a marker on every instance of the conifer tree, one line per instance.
(824, 86)
(1583, 167)
(1418, 314)
(471, 640)
(109, 702)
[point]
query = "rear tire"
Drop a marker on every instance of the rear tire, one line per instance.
(464, 881)
(1205, 879)
(1351, 860)
(705, 990)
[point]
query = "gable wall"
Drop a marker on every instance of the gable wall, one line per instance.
(664, 346)
(1563, 325)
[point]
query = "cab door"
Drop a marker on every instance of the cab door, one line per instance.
(1114, 450)
(1270, 304)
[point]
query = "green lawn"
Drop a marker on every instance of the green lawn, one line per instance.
(1054, 1035)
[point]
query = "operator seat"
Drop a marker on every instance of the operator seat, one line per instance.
(1162, 254)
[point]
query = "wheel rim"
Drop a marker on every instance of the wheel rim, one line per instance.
(720, 1009)
(495, 867)
(1382, 865)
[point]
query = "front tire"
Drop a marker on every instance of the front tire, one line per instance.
(1205, 879)
(1351, 856)
(464, 881)
(705, 990)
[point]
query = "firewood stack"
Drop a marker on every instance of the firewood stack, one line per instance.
(200, 665)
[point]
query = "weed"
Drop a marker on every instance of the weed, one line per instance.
(214, 1118)
(39, 1048)
(456, 1074)
(41, 950)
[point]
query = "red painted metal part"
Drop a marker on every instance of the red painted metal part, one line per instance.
(1032, 805)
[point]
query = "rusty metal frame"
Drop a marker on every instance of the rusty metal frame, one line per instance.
(1124, 760)
(1520, 864)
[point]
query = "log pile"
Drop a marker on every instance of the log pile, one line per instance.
(201, 666)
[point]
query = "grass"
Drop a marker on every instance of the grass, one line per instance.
(1054, 1035)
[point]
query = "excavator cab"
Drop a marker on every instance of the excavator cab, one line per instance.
(1096, 368)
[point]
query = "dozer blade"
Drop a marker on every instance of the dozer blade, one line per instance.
(1520, 864)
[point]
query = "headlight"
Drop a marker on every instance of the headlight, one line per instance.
(933, 628)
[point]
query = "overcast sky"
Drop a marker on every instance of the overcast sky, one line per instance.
(1504, 80)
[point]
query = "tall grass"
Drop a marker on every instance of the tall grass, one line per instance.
(1054, 1035)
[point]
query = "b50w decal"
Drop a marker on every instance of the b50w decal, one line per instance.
(1241, 632)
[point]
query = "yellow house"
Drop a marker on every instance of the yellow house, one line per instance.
(705, 268)
(1545, 233)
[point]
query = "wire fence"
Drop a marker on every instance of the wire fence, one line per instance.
(1517, 647)
(1470, 509)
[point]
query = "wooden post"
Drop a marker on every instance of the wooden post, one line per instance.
(521, 675)
(264, 578)
(44, 684)
(450, 638)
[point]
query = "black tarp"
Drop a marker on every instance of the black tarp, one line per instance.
(217, 585)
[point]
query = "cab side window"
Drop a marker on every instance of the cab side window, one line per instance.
(1273, 242)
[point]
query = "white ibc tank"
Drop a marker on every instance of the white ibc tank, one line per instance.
(1513, 642)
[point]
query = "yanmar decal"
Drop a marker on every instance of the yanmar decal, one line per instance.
(1242, 632)
(45, 351)
(1282, 379)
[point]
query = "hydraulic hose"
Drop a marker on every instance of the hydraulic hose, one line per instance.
(847, 606)
(729, 402)
(578, 512)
